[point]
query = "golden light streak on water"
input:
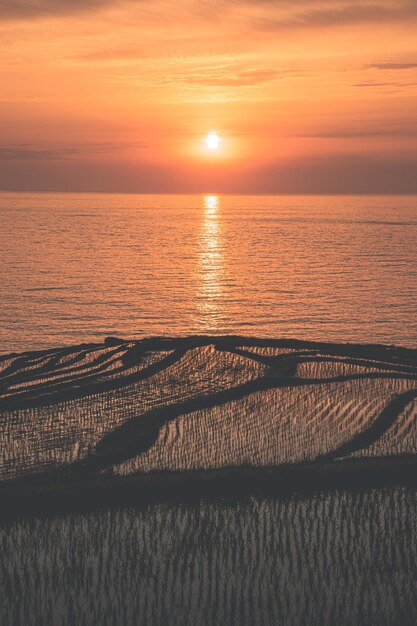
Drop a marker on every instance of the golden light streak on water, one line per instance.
(210, 267)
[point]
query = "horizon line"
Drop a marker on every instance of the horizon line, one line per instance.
(206, 193)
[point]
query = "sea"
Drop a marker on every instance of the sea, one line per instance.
(80, 267)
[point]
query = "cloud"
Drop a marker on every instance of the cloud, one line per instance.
(196, 73)
(22, 9)
(350, 173)
(393, 66)
(225, 78)
(25, 152)
(264, 14)
(335, 13)
(405, 130)
(387, 84)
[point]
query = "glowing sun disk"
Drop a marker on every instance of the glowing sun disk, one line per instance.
(212, 141)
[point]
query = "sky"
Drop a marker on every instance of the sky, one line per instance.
(307, 96)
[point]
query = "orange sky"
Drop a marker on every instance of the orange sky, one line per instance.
(309, 96)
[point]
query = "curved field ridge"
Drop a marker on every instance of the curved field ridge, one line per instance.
(200, 404)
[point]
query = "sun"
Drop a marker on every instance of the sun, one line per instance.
(212, 140)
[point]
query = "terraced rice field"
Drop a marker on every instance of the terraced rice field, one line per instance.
(201, 403)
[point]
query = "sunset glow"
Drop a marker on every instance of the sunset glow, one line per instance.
(314, 96)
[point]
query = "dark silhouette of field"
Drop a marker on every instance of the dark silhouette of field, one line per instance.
(185, 418)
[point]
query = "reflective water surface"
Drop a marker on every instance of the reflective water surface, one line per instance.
(203, 403)
(78, 267)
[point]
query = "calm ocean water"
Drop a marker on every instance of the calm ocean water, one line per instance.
(78, 267)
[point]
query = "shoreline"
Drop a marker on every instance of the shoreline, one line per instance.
(196, 340)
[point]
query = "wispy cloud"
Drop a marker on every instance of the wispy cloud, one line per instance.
(393, 66)
(267, 14)
(27, 152)
(22, 9)
(224, 77)
(310, 13)
(397, 85)
(407, 128)
(197, 73)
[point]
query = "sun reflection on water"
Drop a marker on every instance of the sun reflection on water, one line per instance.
(210, 266)
(211, 204)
